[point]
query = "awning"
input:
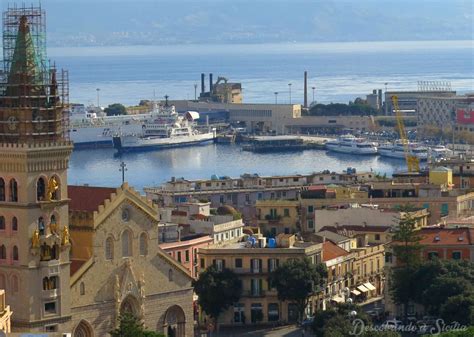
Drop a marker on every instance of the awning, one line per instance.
(355, 292)
(337, 299)
(363, 289)
(369, 286)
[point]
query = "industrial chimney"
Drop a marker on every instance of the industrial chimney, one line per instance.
(210, 83)
(203, 86)
(305, 89)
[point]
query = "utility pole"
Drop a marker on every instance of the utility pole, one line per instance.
(123, 168)
(276, 97)
(289, 90)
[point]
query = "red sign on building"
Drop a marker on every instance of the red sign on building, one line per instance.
(465, 116)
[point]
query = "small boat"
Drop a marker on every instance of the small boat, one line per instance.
(397, 150)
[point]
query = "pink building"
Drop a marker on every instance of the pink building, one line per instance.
(186, 250)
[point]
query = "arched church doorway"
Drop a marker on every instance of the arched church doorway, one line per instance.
(175, 322)
(83, 329)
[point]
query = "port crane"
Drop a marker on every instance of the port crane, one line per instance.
(413, 163)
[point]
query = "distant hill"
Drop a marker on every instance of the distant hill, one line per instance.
(154, 22)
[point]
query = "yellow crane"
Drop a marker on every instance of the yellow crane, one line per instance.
(413, 163)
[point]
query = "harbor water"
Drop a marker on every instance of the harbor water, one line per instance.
(100, 167)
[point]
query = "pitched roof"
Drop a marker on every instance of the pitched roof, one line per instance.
(88, 198)
(446, 236)
(332, 236)
(75, 266)
(331, 251)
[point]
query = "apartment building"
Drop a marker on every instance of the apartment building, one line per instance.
(259, 301)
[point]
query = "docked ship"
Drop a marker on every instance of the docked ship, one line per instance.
(397, 150)
(353, 145)
(164, 129)
(90, 127)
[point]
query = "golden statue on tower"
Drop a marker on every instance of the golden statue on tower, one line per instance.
(53, 186)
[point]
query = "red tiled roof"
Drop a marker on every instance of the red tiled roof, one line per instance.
(199, 216)
(181, 213)
(88, 198)
(446, 236)
(331, 251)
(75, 266)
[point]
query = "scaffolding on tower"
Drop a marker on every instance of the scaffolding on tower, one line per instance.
(34, 95)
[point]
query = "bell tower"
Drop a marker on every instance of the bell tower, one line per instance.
(34, 157)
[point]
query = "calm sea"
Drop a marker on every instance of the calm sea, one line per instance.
(339, 72)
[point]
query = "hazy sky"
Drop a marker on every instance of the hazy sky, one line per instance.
(156, 22)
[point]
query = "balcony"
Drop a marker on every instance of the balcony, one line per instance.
(254, 293)
(50, 263)
(50, 294)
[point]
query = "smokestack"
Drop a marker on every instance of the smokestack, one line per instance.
(210, 82)
(305, 89)
(380, 99)
(203, 86)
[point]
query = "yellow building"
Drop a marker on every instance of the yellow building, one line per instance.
(278, 216)
(441, 176)
(5, 313)
(368, 272)
(259, 302)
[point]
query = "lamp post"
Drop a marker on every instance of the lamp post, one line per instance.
(123, 168)
(276, 97)
(289, 91)
(98, 97)
(314, 88)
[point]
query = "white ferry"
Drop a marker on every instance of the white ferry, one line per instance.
(90, 127)
(351, 144)
(165, 128)
(396, 150)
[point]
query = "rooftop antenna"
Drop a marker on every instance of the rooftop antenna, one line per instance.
(166, 100)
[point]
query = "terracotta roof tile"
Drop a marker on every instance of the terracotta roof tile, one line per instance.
(331, 251)
(88, 198)
(446, 236)
(75, 266)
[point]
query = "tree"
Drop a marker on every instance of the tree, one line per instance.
(217, 290)
(406, 248)
(296, 280)
(115, 110)
(459, 308)
(130, 326)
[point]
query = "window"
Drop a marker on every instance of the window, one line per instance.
(2, 223)
(50, 283)
(238, 263)
(203, 264)
(456, 255)
(239, 313)
(15, 253)
(15, 284)
(14, 224)
(179, 256)
(50, 308)
(219, 264)
(40, 189)
(256, 286)
(310, 223)
(388, 257)
(273, 264)
(143, 244)
(444, 209)
(109, 248)
(2, 189)
(432, 255)
(51, 328)
(286, 212)
(273, 312)
(82, 288)
(247, 198)
(256, 265)
(13, 190)
(126, 244)
(377, 237)
(3, 252)
(310, 209)
(170, 275)
(256, 312)
(186, 255)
